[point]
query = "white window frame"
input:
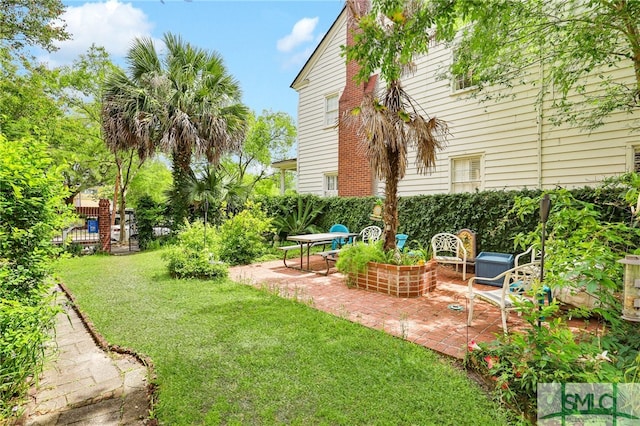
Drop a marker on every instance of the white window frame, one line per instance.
(634, 160)
(331, 110)
(330, 184)
(467, 173)
(461, 82)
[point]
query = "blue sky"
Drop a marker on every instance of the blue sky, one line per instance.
(264, 43)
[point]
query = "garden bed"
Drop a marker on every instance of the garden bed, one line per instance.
(398, 280)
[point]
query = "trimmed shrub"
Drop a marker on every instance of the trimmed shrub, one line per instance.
(244, 237)
(193, 254)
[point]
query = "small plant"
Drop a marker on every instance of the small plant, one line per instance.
(544, 352)
(353, 258)
(74, 249)
(299, 221)
(24, 331)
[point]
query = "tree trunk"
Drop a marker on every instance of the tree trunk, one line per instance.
(181, 168)
(390, 212)
(124, 227)
(115, 192)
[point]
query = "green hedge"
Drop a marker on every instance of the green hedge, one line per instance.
(488, 213)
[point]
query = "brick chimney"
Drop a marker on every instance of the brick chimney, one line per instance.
(355, 177)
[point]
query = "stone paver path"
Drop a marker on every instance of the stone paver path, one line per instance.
(83, 385)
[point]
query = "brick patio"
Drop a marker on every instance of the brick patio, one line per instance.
(430, 320)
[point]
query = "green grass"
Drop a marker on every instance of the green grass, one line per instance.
(227, 353)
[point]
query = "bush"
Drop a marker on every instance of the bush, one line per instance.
(186, 263)
(244, 237)
(299, 220)
(149, 214)
(193, 255)
(32, 205)
(24, 330)
(548, 353)
(582, 250)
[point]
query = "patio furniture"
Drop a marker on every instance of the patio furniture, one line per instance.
(333, 241)
(338, 242)
(489, 264)
(449, 249)
(309, 240)
(401, 240)
(370, 234)
(515, 282)
(330, 257)
(287, 249)
(530, 255)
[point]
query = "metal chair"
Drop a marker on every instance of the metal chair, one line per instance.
(531, 252)
(448, 248)
(401, 240)
(338, 242)
(370, 234)
(515, 282)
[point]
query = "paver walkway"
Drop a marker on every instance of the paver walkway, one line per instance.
(83, 385)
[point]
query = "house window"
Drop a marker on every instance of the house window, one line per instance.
(462, 79)
(465, 174)
(331, 185)
(331, 110)
(636, 159)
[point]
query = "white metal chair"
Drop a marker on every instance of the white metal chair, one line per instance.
(448, 248)
(532, 253)
(370, 234)
(515, 282)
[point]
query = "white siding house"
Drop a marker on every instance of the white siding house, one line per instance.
(509, 144)
(319, 86)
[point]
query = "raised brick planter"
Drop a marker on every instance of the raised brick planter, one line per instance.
(398, 280)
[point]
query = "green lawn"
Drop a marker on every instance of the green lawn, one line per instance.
(227, 353)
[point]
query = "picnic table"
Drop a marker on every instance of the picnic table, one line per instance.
(309, 240)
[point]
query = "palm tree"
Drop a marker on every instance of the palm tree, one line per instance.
(214, 188)
(385, 39)
(184, 104)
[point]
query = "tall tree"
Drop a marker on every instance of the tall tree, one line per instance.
(153, 181)
(60, 106)
(31, 23)
(567, 47)
(269, 137)
(78, 142)
(388, 37)
(184, 103)
(27, 103)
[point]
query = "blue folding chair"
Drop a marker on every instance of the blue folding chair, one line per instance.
(338, 242)
(401, 239)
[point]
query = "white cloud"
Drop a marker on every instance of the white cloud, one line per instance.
(302, 32)
(111, 24)
(298, 59)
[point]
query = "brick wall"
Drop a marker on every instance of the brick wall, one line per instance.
(355, 177)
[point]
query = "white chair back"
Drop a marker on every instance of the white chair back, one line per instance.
(370, 234)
